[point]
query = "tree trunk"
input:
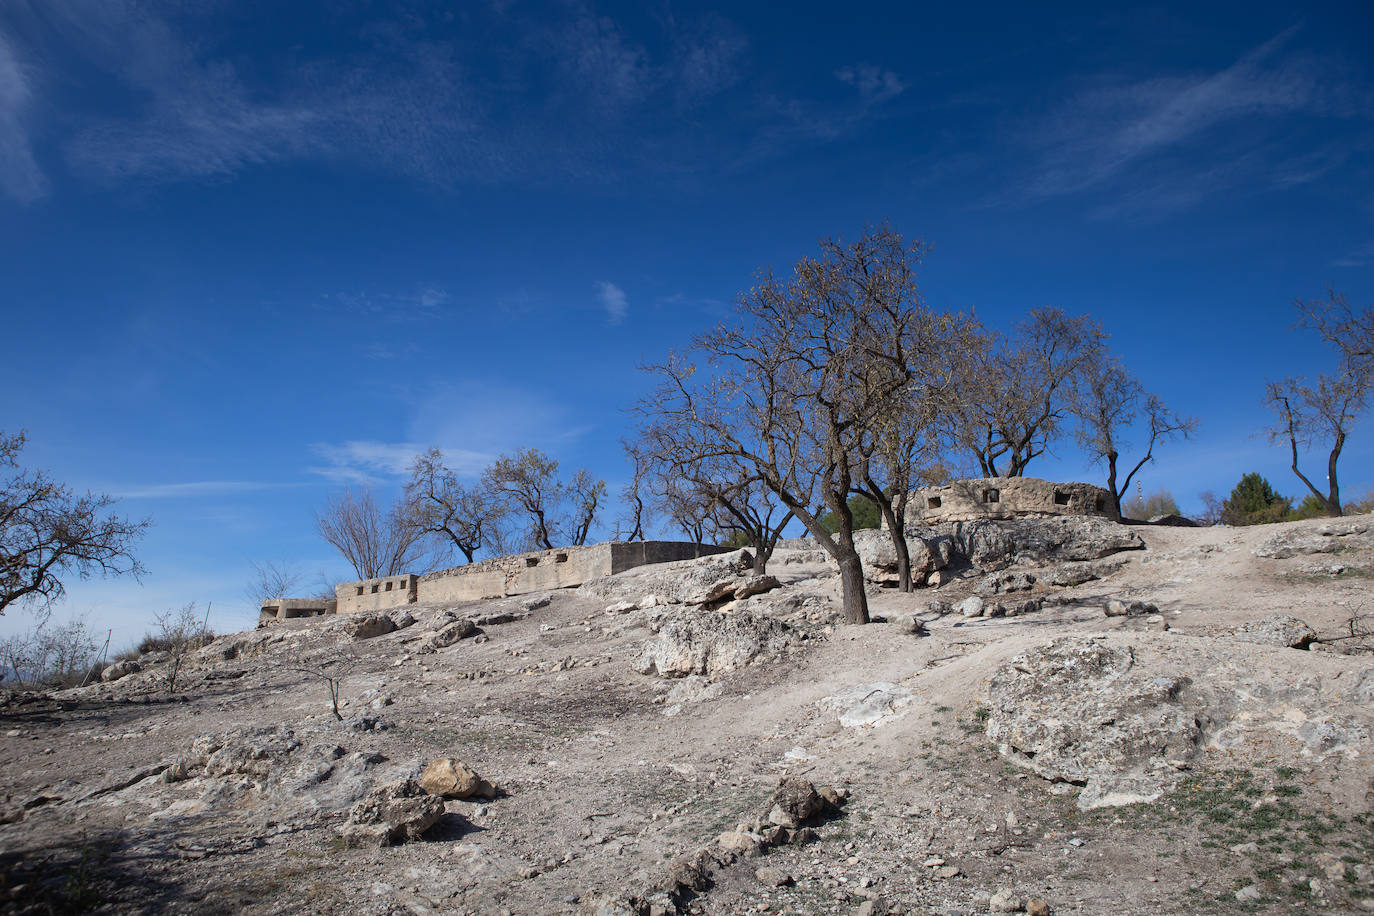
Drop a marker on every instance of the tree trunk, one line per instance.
(899, 545)
(852, 587)
(1333, 499)
(1111, 485)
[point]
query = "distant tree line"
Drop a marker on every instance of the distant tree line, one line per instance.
(518, 503)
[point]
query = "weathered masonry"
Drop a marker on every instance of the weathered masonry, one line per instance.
(288, 608)
(1005, 498)
(563, 567)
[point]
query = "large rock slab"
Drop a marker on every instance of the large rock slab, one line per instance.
(1074, 712)
(710, 643)
(392, 814)
(1124, 716)
(681, 582)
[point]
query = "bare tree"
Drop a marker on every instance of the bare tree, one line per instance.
(720, 493)
(1349, 331)
(272, 580)
(1108, 402)
(802, 375)
(688, 507)
(586, 495)
(635, 494)
(376, 542)
(57, 655)
(529, 481)
(1325, 411)
(1016, 392)
(179, 633)
(903, 447)
(47, 534)
(436, 502)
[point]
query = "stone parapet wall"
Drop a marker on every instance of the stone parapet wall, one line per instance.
(543, 570)
(288, 608)
(376, 594)
(1005, 498)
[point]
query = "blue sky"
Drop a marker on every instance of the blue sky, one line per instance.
(248, 256)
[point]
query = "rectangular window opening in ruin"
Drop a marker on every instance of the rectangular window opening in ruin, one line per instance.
(1061, 498)
(374, 588)
(561, 558)
(360, 589)
(992, 496)
(388, 586)
(933, 502)
(531, 561)
(403, 584)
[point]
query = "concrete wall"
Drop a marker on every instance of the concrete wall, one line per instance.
(1005, 497)
(287, 608)
(544, 570)
(376, 594)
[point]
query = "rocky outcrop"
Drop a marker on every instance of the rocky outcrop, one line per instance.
(682, 582)
(1330, 537)
(710, 643)
(1280, 630)
(392, 814)
(1123, 716)
(449, 777)
(1075, 712)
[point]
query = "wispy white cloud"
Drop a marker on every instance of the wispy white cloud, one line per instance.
(567, 94)
(613, 300)
(192, 489)
(20, 177)
(362, 462)
(1152, 130)
(1361, 256)
(875, 84)
(425, 301)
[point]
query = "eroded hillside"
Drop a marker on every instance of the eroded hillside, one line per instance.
(1084, 718)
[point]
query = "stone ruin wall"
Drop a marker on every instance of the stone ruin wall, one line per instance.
(1005, 498)
(498, 577)
(544, 570)
(376, 594)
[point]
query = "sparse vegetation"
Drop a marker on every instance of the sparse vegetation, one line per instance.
(48, 533)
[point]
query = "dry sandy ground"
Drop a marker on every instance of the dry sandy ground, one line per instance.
(607, 774)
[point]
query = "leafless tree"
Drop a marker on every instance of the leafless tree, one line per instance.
(271, 580)
(1349, 331)
(717, 493)
(904, 446)
(376, 542)
(808, 367)
(636, 493)
(49, 654)
(179, 633)
(332, 671)
(1325, 410)
(529, 481)
(1015, 392)
(440, 505)
(688, 507)
(47, 534)
(586, 494)
(1108, 401)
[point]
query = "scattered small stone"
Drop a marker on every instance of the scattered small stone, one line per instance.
(948, 871)
(1248, 894)
(773, 877)
(1037, 907)
(1005, 901)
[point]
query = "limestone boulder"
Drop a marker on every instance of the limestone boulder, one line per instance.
(392, 814)
(995, 544)
(711, 643)
(795, 803)
(1331, 537)
(1280, 630)
(449, 777)
(452, 632)
(369, 626)
(120, 669)
(680, 582)
(1075, 711)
